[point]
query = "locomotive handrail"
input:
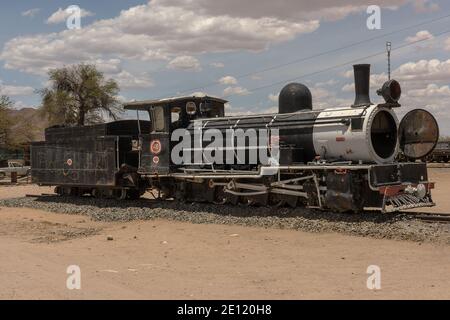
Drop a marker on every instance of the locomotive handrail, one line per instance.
(269, 171)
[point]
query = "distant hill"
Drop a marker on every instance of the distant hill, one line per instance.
(29, 126)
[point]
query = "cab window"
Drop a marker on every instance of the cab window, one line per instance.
(175, 114)
(158, 119)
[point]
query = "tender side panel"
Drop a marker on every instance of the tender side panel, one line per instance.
(90, 162)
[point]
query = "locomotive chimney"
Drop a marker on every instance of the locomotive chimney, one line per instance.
(362, 85)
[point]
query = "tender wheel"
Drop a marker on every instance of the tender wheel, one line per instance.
(121, 194)
(167, 193)
(97, 193)
(66, 191)
(75, 192)
(133, 194)
(59, 191)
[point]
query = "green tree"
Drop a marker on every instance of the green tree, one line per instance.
(5, 120)
(24, 134)
(79, 95)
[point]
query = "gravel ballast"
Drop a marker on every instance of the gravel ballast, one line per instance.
(396, 226)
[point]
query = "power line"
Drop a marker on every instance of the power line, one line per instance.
(245, 75)
(341, 64)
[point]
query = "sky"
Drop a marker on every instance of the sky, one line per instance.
(243, 51)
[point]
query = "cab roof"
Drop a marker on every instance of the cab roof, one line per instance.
(146, 104)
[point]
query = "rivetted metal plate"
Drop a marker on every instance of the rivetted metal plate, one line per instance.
(418, 133)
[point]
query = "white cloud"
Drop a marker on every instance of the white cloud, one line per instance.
(122, 99)
(198, 94)
(21, 105)
(166, 29)
(273, 97)
(228, 80)
(411, 75)
(431, 70)
(112, 68)
(31, 13)
(348, 74)
(420, 36)
(61, 15)
(447, 44)
(376, 81)
(326, 98)
(436, 104)
(348, 87)
(127, 80)
(425, 6)
(256, 77)
(319, 93)
(287, 9)
(432, 90)
(231, 110)
(328, 83)
(425, 84)
(12, 91)
(107, 66)
(235, 91)
(217, 65)
(187, 63)
(156, 30)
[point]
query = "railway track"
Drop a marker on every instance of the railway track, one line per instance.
(423, 216)
(430, 217)
(437, 165)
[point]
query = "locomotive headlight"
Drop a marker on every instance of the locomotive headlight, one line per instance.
(421, 191)
(391, 91)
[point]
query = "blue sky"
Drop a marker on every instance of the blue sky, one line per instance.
(170, 47)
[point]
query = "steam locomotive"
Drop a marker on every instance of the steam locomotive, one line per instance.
(339, 159)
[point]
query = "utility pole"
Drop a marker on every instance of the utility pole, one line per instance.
(388, 49)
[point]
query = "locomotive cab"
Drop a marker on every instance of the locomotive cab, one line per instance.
(166, 116)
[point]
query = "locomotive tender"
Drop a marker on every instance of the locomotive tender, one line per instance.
(340, 159)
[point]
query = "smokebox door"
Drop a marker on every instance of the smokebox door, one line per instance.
(418, 134)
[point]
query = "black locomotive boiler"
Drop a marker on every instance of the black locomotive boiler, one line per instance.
(340, 159)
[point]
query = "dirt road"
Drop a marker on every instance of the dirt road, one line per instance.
(173, 260)
(441, 176)
(168, 260)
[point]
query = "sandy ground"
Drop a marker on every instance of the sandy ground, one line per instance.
(173, 260)
(441, 176)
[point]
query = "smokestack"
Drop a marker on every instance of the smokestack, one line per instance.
(362, 85)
